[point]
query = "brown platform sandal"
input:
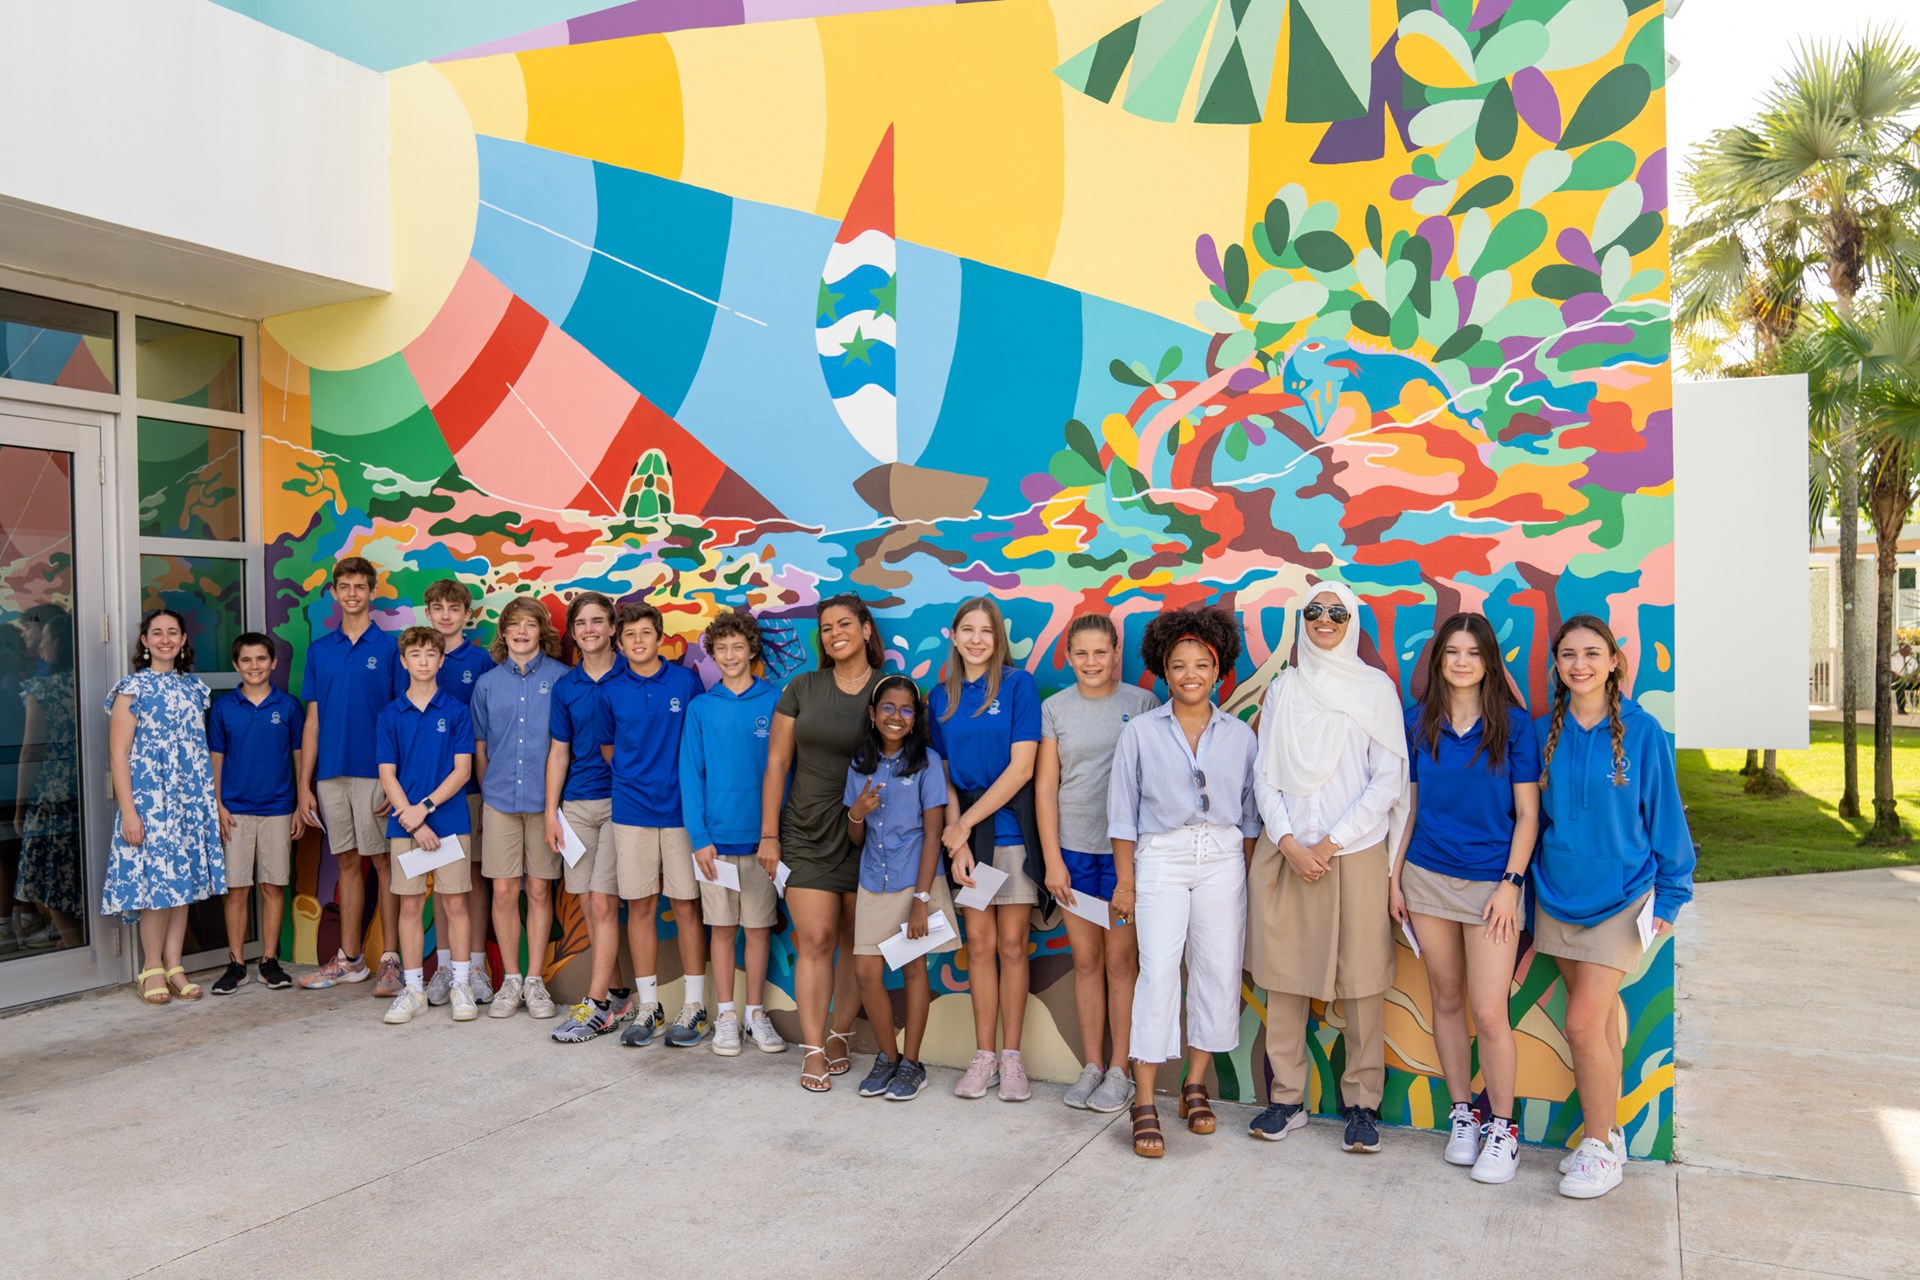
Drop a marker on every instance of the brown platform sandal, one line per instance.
(1147, 1139)
(1194, 1109)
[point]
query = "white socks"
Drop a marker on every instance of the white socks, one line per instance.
(444, 956)
(462, 972)
(726, 1006)
(480, 957)
(751, 1010)
(415, 979)
(696, 988)
(509, 977)
(646, 992)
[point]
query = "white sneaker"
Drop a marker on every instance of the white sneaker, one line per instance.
(1616, 1140)
(410, 1002)
(1463, 1146)
(726, 1035)
(461, 998)
(539, 1003)
(507, 999)
(1595, 1172)
(481, 982)
(440, 985)
(764, 1037)
(1499, 1155)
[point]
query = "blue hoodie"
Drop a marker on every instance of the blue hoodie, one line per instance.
(1601, 846)
(723, 760)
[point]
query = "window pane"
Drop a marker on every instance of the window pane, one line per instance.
(186, 366)
(210, 594)
(189, 481)
(54, 343)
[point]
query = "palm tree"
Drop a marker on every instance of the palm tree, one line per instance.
(1828, 156)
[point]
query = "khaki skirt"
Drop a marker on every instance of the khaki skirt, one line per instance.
(878, 916)
(1329, 939)
(1614, 942)
(1429, 893)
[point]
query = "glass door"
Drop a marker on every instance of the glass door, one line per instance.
(56, 659)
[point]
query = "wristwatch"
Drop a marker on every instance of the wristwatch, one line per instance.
(428, 804)
(1515, 879)
(918, 896)
(1335, 843)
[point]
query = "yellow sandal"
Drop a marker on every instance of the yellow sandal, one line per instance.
(162, 996)
(190, 990)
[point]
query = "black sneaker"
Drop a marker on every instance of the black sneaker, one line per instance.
(1363, 1129)
(1277, 1121)
(232, 980)
(272, 976)
(880, 1077)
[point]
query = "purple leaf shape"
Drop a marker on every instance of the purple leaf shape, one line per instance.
(1438, 233)
(1574, 247)
(1407, 186)
(1209, 259)
(1582, 307)
(1653, 182)
(1254, 434)
(1247, 379)
(1488, 11)
(1537, 103)
(1465, 289)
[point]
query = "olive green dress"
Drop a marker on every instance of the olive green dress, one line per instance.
(813, 823)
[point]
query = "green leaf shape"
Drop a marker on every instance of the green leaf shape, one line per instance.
(1499, 123)
(1406, 327)
(1279, 226)
(1618, 209)
(1080, 440)
(1436, 125)
(1491, 294)
(1483, 194)
(1072, 470)
(1563, 280)
(1545, 174)
(1424, 21)
(1475, 227)
(1373, 226)
(1458, 345)
(1641, 232)
(1517, 235)
(1601, 167)
(1236, 443)
(1264, 247)
(1292, 303)
(1236, 350)
(1648, 51)
(1582, 31)
(1526, 318)
(1513, 46)
(1124, 375)
(1370, 317)
(1613, 103)
(1169, 361)
(1235, 264)
(1323, 250)
(1212, 316)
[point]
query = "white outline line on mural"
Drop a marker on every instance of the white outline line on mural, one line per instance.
(712, 302)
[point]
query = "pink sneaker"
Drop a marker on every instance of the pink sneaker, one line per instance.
(336, 971)
(981, 1075)
(1013, 1077)
(388, 983)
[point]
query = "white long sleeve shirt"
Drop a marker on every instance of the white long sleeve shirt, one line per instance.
(1352, 807)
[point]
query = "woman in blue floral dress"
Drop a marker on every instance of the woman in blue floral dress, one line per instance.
(166, 840)
(48, 811)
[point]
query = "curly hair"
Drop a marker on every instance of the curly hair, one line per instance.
(1563, 697)
(1214, 627)
(142, 659)
(734, 622)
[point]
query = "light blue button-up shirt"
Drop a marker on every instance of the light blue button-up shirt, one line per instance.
(512, 715)
(897, 830)
(1156, 787)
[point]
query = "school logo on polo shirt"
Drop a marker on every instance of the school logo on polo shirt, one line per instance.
(1125, 716)
(275, 719)
(673, 705)
(373, 662)
(543, 686)
(993, 709)
(441, 727)
(466, 677)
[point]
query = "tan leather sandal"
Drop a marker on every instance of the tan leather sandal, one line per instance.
(1148, 1141)
(1194, 1109)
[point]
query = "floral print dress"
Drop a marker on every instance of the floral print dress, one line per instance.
(179, 860)
(50, 831)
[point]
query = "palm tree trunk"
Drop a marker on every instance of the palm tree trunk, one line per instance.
(1886, 827)
(1752, 766)
(1847, 463)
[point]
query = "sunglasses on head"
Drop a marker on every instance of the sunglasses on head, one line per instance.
(1314, 612)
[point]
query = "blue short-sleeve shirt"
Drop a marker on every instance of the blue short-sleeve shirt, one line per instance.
(512, 709)
(896, 831)
(646, 715)
(351, 681)
(578, 720)
(256, 742)
(978, 748)
(420, 743)
(1463, 823)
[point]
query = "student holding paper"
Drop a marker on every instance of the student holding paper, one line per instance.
(1615, 844)
(896, 796)
(986, 725)
(1079, 728)
(1182, 819)
(1457, 884)
(1332, 788)
(723, 761)
(423, 743)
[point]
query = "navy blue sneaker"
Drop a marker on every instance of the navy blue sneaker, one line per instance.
(1363, 1129)
(690, 1026)
(909, 1078)
(644, 1026)
(880, 1077)
(1277, 1121)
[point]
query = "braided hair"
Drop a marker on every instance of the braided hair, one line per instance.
(1563, 697)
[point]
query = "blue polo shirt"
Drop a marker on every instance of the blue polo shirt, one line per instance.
(420, 745)
(256, 742)
(897, 830)
(1463, 821)
(644, 719)
(511, 712)
(352, 681)
(978, 748)
(578, 720)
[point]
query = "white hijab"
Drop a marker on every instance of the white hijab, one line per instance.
(1309, 701)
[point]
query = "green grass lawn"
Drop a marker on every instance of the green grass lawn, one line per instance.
(1742, 835)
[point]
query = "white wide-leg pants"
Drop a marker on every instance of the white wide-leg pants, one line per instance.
(1190, 897)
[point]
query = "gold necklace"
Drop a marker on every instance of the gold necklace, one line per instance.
(858, 685)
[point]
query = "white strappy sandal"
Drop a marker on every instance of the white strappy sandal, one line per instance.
(825, 1083)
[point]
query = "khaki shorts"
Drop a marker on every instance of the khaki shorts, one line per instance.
(878, 916)
(264, 841)
(652, 857)
(752, 906)
(598, 868)
(473, 824)
(1614, 942)
(346, 810)
(455, 877)
(1019, 890)
(514, 845)
(1445, 897)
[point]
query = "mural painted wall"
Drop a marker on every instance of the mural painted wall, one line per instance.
(1090, 304)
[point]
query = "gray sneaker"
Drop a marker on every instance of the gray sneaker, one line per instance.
(440, 986)
(726, 1035)
(539, 1002)
(1090, 1078)
(461, 998)
(482, 985)
(506, 1000)
(1114, 1093)
(689, 1026)
(644, 1026)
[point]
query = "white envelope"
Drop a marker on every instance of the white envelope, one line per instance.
(417, 861)
(899, 949)
(1406, 927)
(1088, 908)
(781, 873)
(987, 880)
(571, 846)
(1644, 922)
(726, 875)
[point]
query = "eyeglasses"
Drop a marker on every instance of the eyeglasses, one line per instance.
(1200, 785)
(1337, 612)
(895, 713)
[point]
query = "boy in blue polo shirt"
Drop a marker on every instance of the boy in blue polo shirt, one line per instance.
(254, 735)
(353, 672)
(424, 743)
(645, 711)
(449, 608)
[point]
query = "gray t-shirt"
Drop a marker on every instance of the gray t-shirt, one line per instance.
(1085, 732)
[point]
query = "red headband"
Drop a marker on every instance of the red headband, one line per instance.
(1201, 641)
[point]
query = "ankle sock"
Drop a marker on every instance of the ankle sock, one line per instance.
(726, 1006)
(479, 960)
(462, 972)
(509, 977)
(443, 956)
(696, 988)
(415, 980)
(601, 1005)
(646, 992)
(753, 1009)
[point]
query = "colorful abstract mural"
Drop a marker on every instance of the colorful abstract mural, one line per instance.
(1089, 304)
